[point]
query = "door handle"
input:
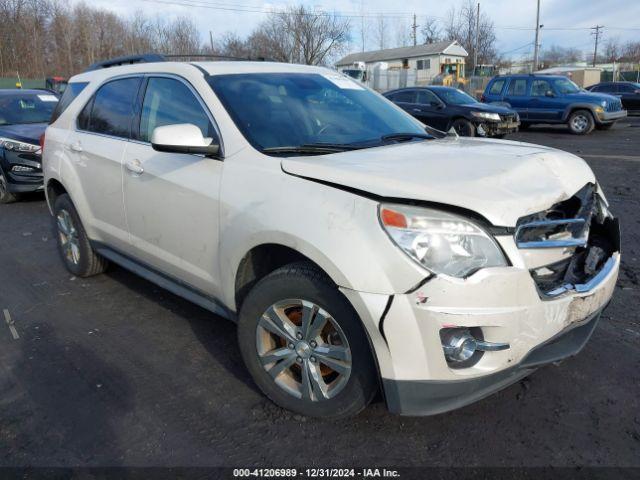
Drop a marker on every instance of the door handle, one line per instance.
(76, 147)
(416, 109)
(135, 167)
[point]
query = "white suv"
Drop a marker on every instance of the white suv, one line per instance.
(355, 250)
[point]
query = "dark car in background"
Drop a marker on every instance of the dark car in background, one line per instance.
(554, 99)
(24, 116)
(628, 92)
(447, 107)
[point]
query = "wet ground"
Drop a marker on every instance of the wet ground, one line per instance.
(113, 371)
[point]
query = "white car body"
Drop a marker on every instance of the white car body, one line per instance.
(196, 220)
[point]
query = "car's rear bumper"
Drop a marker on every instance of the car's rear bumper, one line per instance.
(430, 397)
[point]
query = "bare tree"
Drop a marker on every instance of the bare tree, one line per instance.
(612, 50)
(430, 30)
(380, 31)
(460, 25)
(557, 55)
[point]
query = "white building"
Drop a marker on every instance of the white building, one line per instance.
(426, 60)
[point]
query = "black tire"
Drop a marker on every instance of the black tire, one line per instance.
(605, 126)
(5, 195)
(302, 280)
(88, 262)
(464, 128)
(581, 122)
(524, 126)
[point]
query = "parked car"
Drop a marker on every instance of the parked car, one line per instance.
(554, 99)
(353, 249)
(24, 115)
(444, 108)
(629, 93)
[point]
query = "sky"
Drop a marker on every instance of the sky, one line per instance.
(566, 22)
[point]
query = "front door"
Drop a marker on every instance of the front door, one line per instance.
(545, 104)
(430, 110)
(171, 200)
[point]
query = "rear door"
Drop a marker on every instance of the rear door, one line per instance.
(171, 199)
(544, 103)
(494, 90)
(405, 99)
(516, 96)
(96, 148)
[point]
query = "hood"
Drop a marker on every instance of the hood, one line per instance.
(591, 97)
(27, 132)
(487, 107)
(502, 181)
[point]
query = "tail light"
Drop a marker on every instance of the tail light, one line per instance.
(41, 144)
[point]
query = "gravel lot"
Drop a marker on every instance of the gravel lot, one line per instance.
(113, 371)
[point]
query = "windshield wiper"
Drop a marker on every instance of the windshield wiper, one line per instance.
(405, 136)
(311, 148)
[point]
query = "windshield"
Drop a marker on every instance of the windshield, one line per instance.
(276, 110)
(16, 108)
(564, 85)
(453, 96)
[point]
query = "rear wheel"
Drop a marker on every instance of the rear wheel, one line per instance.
(304, 344)
(464, 128)
(5, 195)
(581, 122)
(73, 243)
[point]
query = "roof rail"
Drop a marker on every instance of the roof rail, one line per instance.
(156, 57)
(127, 60)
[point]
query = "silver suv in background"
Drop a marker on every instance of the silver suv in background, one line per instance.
(355, 250)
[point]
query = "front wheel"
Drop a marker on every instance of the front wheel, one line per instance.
(464, 128)
(304, 344)
(581, 122)
(5, 195)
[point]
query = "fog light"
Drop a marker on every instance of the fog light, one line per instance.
(458, 345)
(463, 347)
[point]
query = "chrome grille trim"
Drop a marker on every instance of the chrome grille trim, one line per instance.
(573, 242)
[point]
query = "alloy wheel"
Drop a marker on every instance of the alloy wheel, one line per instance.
(3, 185)
(580, 123)
(68, 235)
(304, 350)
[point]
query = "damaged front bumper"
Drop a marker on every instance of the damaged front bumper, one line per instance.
(430, 397)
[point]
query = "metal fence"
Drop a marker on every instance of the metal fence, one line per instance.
(385, 80)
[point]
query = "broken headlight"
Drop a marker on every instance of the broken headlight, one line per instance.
(439, 241)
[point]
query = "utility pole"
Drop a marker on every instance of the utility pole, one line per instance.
(414, 27)
(596, 33)
(475, 49)
(211, 41)
(537, 42)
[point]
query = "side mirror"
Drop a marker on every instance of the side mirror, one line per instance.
(549, 93)
(182, 138)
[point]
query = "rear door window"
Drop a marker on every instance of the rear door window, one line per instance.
(517, 87)
(111, 110)
(496, 87)
(168, 101)
(408, 96)
(69, 95)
